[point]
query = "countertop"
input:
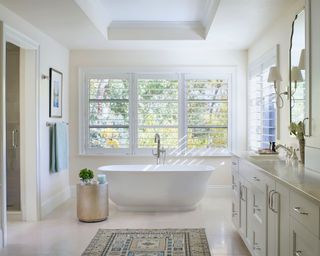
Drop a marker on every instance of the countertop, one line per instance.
(297, 178)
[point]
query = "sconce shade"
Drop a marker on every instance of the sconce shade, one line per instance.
(302, 60)
(274, 75)
(296, 75)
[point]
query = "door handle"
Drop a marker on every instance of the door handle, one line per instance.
(13, 138)
(272, 202)
(270, 198)
(241, 194)
(298, 253)
(298, 210)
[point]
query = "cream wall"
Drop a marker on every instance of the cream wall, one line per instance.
(54, 187)
(279, 33)
(157, 58)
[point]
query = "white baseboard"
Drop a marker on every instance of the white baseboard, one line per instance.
(14, 215)
(219, 190)
(49, 205)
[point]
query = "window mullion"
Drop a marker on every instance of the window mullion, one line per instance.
(133, 114)
(182, 114)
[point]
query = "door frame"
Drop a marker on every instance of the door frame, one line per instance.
(31, 182)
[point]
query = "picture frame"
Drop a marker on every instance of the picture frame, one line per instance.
(55, 99)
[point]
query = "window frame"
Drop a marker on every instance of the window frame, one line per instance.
(256, 68)
(132, 74)
(210, 151)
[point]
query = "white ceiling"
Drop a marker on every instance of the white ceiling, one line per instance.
(156, 10)
(145, 24)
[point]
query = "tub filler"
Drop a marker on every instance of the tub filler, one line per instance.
(157, 187)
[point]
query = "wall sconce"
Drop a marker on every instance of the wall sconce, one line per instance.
(296, 77)
(274, 77)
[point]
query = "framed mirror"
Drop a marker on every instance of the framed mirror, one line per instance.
(299, 91)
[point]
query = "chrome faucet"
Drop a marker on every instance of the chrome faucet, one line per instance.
(289, 151)
(159, 151)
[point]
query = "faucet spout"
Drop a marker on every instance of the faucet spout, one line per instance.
(289, 151)
(159, 151)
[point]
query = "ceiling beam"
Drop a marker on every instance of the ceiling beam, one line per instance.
(208, 19)
(97, 14)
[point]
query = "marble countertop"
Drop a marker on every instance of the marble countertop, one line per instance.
(298, 178)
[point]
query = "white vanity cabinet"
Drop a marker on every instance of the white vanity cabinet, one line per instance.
(255, 189)
(274, 219)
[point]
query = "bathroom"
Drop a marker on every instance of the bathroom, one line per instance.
(236, 47)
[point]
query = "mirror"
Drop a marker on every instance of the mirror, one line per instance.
(298, 90)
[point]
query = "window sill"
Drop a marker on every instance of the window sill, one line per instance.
(150, 156)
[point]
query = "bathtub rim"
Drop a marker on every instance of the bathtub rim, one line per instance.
(108, 168)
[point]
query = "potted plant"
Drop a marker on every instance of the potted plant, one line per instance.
(297, 129)
(86, 175)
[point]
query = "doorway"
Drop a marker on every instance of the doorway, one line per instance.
(19, 129)
(13, 131)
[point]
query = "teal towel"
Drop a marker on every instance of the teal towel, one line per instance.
(59, 148)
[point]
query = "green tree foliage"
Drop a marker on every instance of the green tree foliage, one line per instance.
(157, 106)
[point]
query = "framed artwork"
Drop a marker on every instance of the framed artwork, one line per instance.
(55, 108)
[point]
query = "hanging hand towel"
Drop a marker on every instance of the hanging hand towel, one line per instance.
(59, 155)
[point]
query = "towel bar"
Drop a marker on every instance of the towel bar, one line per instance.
(50, 124)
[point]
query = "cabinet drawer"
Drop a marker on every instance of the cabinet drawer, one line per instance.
(254, 175)
(305, 211)
(302, 242)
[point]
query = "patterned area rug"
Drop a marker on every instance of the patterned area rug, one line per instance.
(149, 242)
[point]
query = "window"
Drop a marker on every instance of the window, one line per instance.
(262, 106)
(108, 113)
(207, 113)
(157, 111)
(122, 113)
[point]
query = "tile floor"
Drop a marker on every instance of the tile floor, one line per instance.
(61, 234)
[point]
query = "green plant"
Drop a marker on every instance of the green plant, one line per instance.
(86, 175)
(297, 129)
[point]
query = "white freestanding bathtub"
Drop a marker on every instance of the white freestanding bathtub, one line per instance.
(157, 187)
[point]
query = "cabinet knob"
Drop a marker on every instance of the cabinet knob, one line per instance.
(298, 210)
(298, 253)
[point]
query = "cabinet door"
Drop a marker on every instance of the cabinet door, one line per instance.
(243, 207)
(273, 221)
(257, 224)
(302, 242)
(235, 199)
(258, 240)
(283, 205)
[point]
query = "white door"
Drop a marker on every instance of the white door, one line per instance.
(3, 200)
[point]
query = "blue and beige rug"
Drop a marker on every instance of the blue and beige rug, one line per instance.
(149, 242)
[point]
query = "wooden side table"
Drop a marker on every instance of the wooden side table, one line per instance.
(92, 202)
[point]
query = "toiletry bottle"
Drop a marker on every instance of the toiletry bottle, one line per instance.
(294, 158)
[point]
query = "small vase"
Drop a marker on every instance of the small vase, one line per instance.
(302, 143)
